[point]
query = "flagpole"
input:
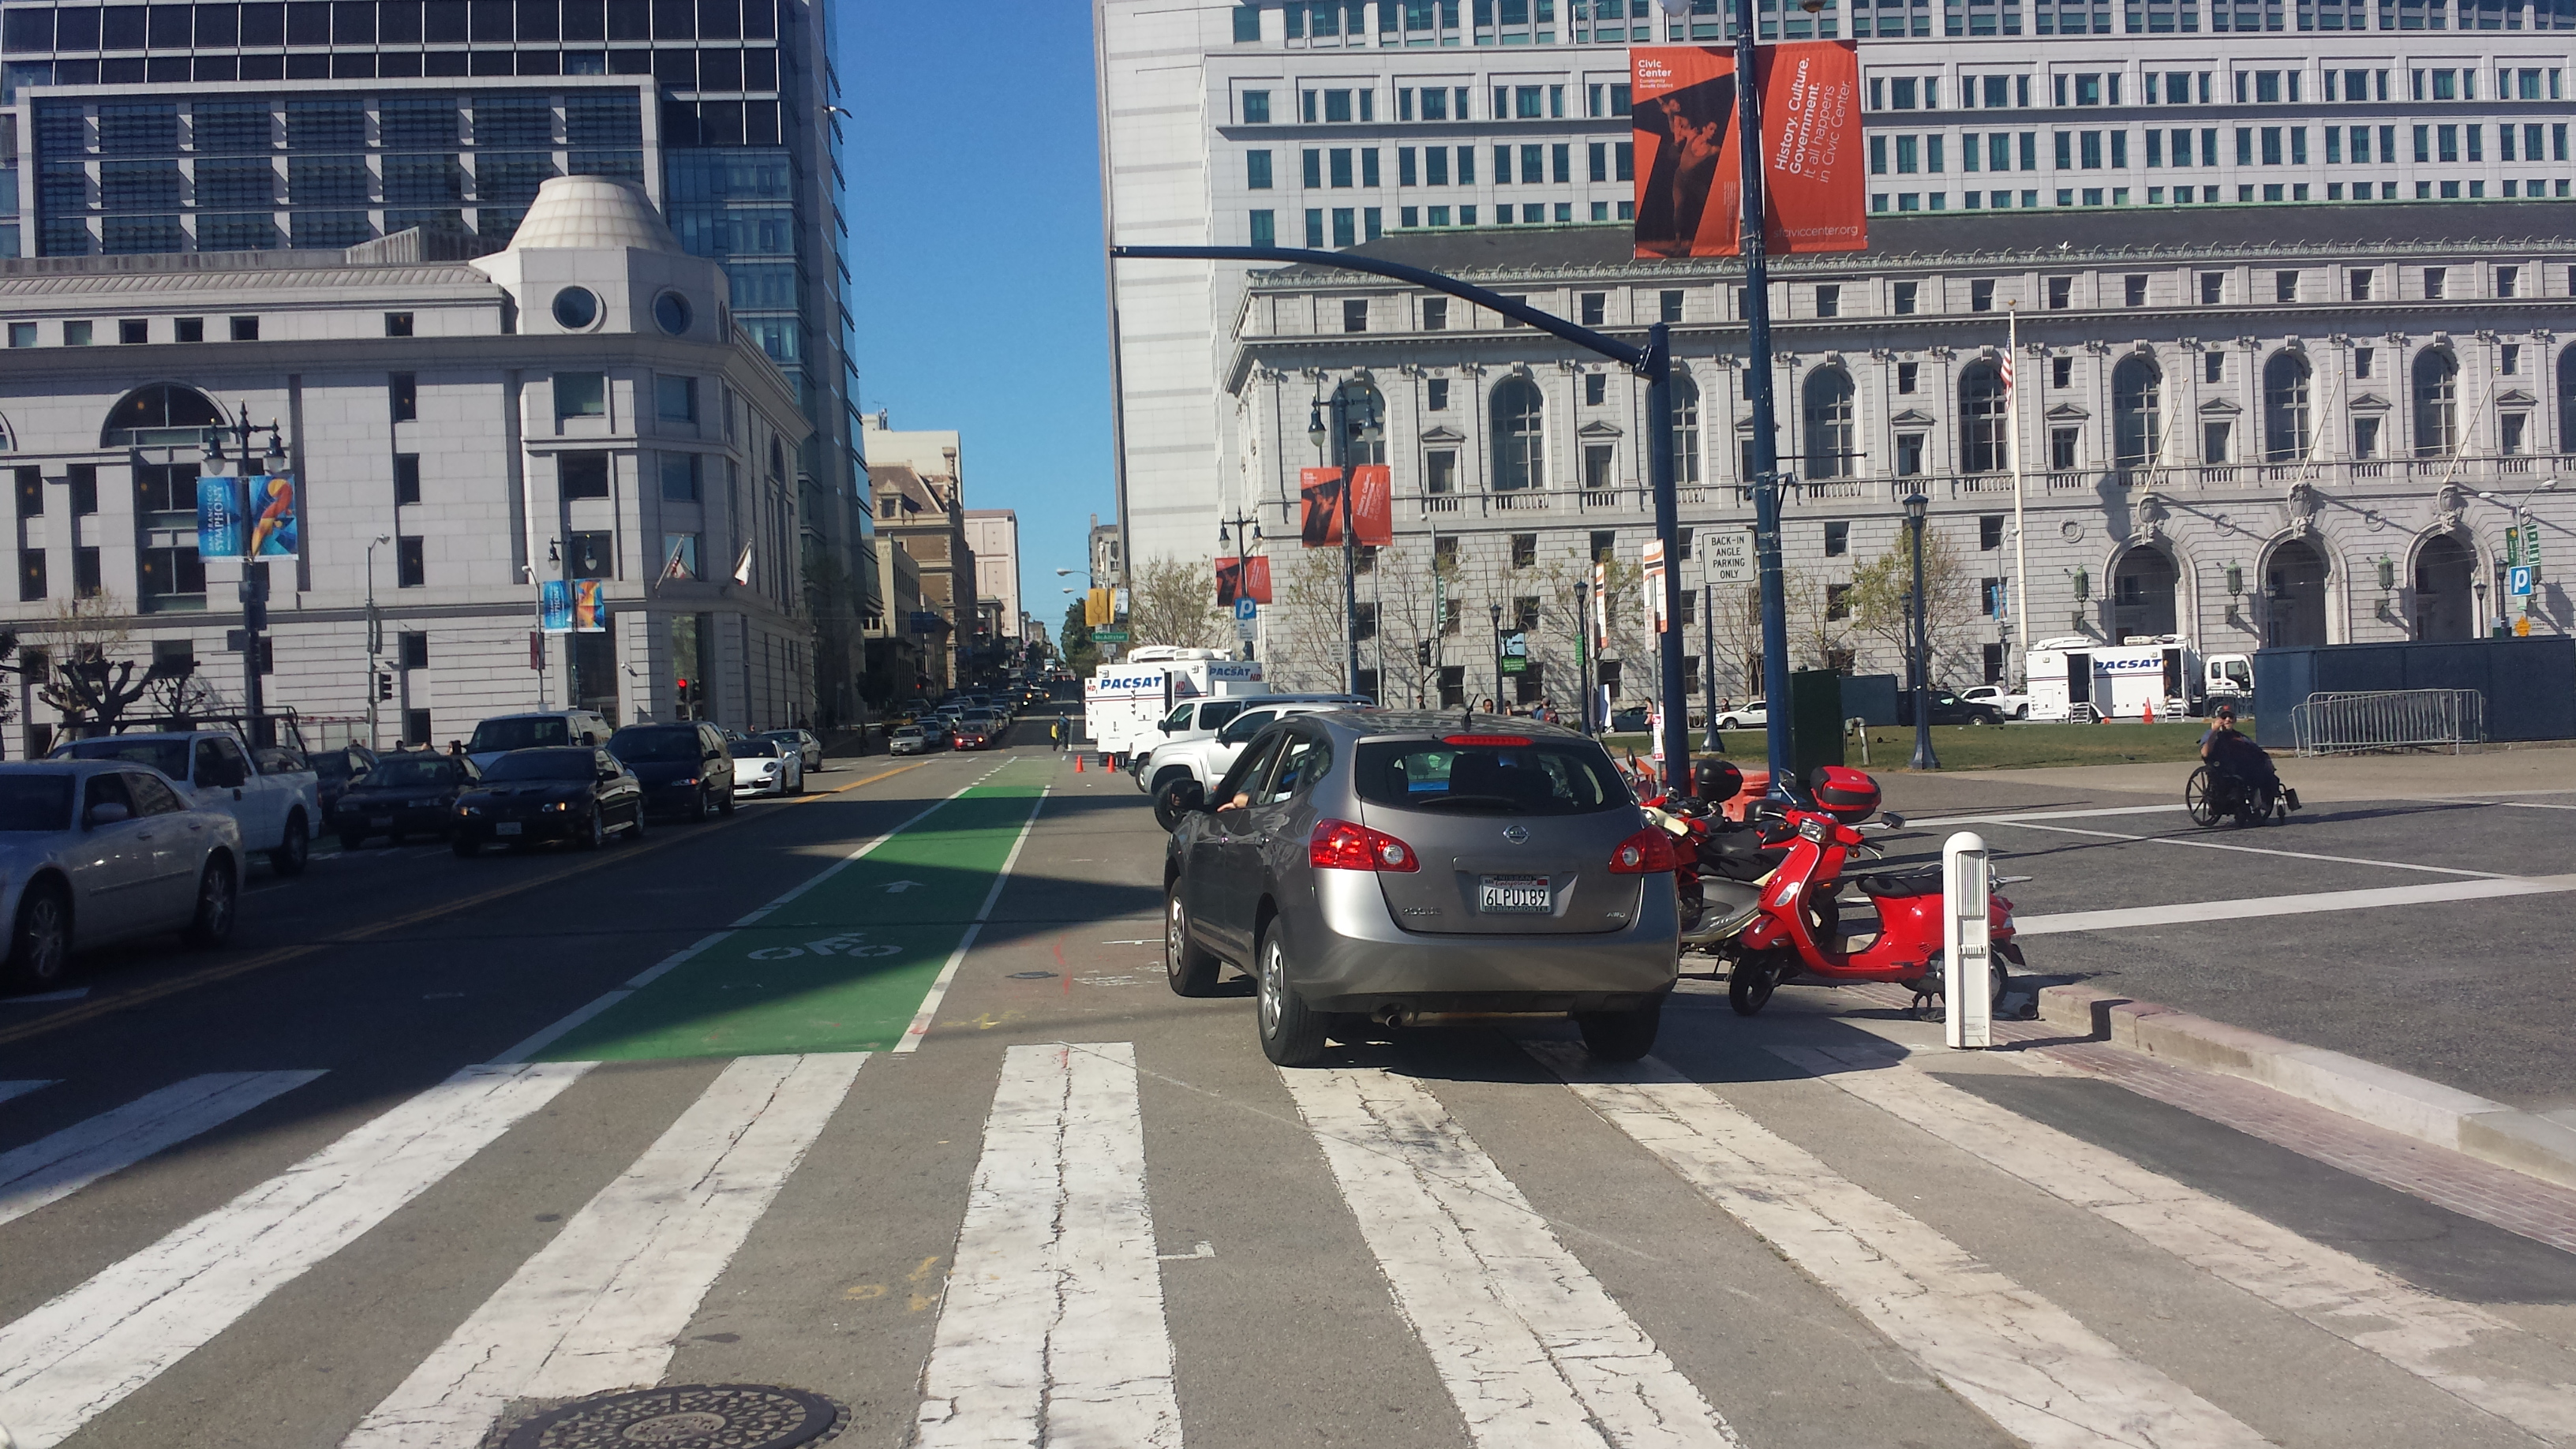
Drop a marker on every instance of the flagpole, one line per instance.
(2021, 543)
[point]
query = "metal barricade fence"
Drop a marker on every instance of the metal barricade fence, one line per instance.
(2390, 719)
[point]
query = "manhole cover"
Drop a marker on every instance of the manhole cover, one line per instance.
(688, 1416)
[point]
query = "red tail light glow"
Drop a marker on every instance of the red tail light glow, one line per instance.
(1341, 845)
(1648, 852)
(1486, 741)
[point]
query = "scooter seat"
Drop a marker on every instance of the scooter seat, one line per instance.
(1921, 881)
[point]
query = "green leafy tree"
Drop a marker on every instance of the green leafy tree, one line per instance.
(1073, 641)
(1882, 598)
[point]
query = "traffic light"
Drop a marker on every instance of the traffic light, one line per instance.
(384, 684)
(1422, 653)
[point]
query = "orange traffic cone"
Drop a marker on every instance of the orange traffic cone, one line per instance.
(2151, 711)
(1078, 757)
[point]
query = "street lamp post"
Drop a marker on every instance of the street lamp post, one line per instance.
(1920, 663)
(2486, 626)
(2519, 510)
(1356, 418)
(1708, 657)
(1249, 526)
(375, 638)
(254, 579)
(1497, 611)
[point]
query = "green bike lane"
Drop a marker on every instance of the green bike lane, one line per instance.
(844, 960)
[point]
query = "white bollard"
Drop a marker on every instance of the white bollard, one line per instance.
(1967, 883)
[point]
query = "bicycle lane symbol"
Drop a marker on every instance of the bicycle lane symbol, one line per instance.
(848, 943)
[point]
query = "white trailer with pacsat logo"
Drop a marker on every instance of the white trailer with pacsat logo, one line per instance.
(2083, 679)
(1123, 702)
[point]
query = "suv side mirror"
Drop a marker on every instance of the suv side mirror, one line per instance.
(1190, 796)
(108, 812)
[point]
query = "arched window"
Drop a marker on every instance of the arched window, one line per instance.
(2285, 408)
(2437, 404)
(1985, 430)
(2567, 400)
(1520, 435)
(2137, 412)
(1685, 429)
(150, 415)
(777, 460)
(1829, 424)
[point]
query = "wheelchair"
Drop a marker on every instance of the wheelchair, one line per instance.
(2212, 795)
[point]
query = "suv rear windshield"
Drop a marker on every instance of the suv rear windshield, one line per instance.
(1540, 777)
(665, 744)
(518, 734)
(170, 757)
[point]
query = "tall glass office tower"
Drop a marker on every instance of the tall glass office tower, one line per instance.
(323, 123)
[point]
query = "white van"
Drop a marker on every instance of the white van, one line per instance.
(536, 729)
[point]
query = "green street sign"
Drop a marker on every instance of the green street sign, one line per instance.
(1515, 664)
(1108, 636)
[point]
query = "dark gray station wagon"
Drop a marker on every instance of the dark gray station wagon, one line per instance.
(1375, 867)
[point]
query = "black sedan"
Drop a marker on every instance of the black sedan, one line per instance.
(564, 793)
(409, 792)
(686, 768)
(1947, 709)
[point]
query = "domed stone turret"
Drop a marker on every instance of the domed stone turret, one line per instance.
(592, 211)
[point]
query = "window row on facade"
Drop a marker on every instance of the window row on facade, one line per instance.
(2185, 147)
(1319, 24)
(2336, 79)
(246, 125)
(37, 29)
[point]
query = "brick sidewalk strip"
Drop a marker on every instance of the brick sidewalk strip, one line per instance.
(2540, 1211)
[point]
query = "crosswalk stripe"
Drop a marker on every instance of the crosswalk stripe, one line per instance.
(55, 1167)
(2026, 1363)
(78, 1355)
(602, 1305)
(2475, 1355)
(20, 1089)
(1530, 1346)
(1053, 1329)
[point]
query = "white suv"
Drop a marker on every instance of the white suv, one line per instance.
(1204, 759)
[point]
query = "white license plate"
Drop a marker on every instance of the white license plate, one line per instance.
(506, 827)
(1514, 895)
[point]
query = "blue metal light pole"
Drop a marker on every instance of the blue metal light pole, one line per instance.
(1920, 661)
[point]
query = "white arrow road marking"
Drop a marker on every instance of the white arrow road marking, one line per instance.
(1052, 1331)
(76, 1357)
(898, 887)
(2023, 1361)
(1530, 1346)
(2462, 1348)
(602, 1305)
(57, 1166)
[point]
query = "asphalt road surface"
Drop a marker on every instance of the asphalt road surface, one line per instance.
(880, 1095)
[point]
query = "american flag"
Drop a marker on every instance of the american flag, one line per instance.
(2007, 371)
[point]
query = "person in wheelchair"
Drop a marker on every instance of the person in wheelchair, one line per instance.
(2241, 764)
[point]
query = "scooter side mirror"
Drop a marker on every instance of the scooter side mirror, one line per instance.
(1891, 820)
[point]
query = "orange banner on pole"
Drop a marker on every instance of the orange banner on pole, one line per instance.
(1243, 578)
(1319, 490)
(1689, 173)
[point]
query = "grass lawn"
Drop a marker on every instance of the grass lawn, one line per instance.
(1991, 747)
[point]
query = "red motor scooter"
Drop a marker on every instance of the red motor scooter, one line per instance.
(1796, 931)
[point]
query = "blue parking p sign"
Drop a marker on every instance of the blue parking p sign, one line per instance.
(1246, 609)
(2517, 581)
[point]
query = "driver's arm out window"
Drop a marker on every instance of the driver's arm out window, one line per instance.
(1247, 772)
(1304, 762)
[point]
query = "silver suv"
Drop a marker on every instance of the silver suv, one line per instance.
(1366, 867)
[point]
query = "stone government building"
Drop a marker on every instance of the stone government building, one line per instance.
(2310, 402)
(580, 405)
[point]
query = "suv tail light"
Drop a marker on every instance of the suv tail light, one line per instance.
(1341, 845)
(1647, 852)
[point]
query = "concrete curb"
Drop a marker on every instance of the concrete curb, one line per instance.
(2427, 1111)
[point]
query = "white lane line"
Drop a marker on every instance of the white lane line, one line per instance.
(2252, 907)
(1530, 1346)
(2480, 1358)
(2013, 818)
(20, 1089)
(920, 1026)
(2258, 850)
(44, 998)
(74, 1358)
(2028, 1364)
(549, 1035)
(604, 1304)
(55, 1167)
(1052, 1331)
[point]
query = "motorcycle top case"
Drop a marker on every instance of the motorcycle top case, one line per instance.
(1845, 794)
(1716, 781)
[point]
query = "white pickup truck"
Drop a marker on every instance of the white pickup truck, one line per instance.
(279, 812)
(1203, 758)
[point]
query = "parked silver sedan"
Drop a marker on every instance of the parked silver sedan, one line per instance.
(1374, 867)
(95, 851)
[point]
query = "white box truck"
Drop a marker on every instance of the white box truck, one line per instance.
(1123, 703)
(2083, 679)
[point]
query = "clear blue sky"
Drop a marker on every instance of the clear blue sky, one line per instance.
(975, 260)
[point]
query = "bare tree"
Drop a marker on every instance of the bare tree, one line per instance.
(85, 679)
(1305, 638)
(1821, 626)
(1173, 601)
(1882, 601)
